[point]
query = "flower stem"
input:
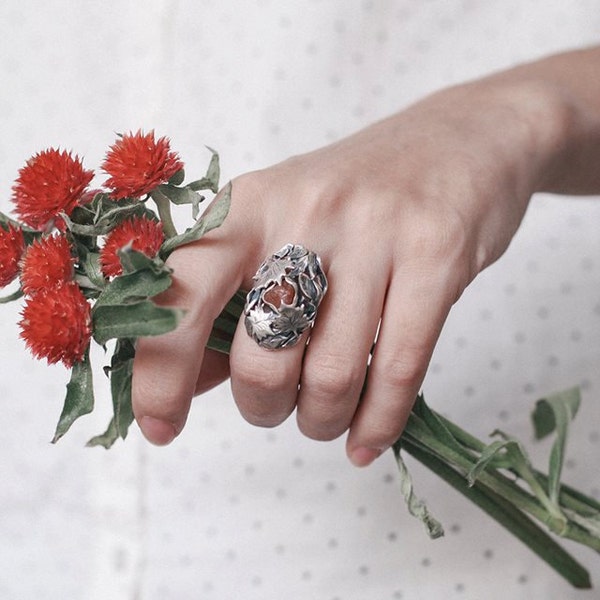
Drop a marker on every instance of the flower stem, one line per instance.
(504, 512)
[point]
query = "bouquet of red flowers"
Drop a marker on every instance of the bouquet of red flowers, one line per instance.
(89, 261)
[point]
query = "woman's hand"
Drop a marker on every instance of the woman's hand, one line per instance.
(404, 214)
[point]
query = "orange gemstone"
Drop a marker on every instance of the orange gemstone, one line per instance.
(283, 293)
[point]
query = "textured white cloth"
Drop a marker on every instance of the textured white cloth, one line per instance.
(230, 511)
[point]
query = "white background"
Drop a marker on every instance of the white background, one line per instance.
(230, 511)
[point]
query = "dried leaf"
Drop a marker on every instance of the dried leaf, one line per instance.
(416, 507)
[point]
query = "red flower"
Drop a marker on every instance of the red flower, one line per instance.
(137, 163)
(56, 324)
(48, 261)
(50, 183)
(12, 246)
(140, 233)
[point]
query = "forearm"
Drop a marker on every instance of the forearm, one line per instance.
(566, 124)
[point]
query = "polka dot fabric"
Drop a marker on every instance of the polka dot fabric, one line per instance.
(231, 511)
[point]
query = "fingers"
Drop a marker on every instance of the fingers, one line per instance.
(335, 363)
(415, 310)
(264, 382)
(167, 368)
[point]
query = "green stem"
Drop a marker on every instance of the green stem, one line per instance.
(504, 513)
(417, 433)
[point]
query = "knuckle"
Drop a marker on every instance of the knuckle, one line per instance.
(404, 370)
(333, 376)
(261, 375)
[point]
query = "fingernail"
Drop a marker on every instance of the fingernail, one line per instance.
(363, 457)
(157, 431)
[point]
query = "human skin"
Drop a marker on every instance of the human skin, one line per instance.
(404, 215)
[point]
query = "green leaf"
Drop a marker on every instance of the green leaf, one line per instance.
(177, 178)
(121, 370)
(211, 219)
(490, 453)
(211, 180)
(133, 320)
(437, 426)
(180, 195)
(11, 297)
(79, 400)
(416, 507)
(554, 408)
(555, 413)
(134, 287)
(107, 439)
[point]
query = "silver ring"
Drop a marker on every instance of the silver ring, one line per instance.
(289, 286)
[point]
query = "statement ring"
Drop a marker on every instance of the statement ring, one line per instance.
(289, 286)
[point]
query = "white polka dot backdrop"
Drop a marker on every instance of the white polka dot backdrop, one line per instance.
(231, 511)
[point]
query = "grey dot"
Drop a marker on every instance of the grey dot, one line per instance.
(455, 528)
(392, 536)
(280, 493)
(503, 415)
(332, 543)
(460, 587)
(357, 58)
(279, 549)
(307, 519)
(389, 478)
(397, 595)
(249, 470)
(469, 391)
(523, 579)
(552, 361)
(306, 575)
(496, 364)
(529, 388)
(231, 555)
(520, 337)
(435, 368)
(570, 463)
(543, 312)
(488, 554)
(460, 342)
(361, 511)
(486, 314)
(331, 486)
(363, 570)
(426, 562)
(298, 462)
(335, 81)
(594, 437)
(566, 288)
(256, 581)
(576, 335)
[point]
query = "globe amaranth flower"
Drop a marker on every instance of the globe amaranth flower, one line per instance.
(12, 246)
(46, 262)
(139, 233)
(56, 324)
(50, 183)
(136, 163)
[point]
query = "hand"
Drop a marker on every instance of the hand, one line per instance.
(404, 214)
